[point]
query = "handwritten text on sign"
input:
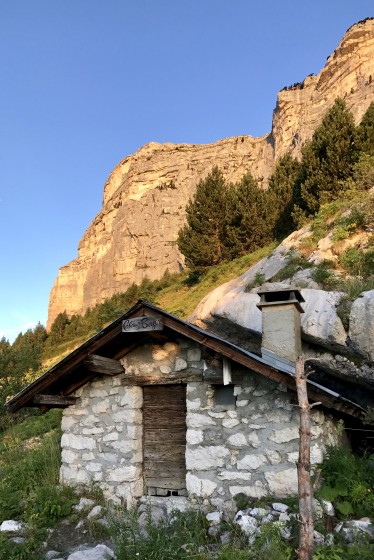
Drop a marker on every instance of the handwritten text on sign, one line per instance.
(142, 324)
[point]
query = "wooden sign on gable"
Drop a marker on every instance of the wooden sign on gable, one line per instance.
(142, 324)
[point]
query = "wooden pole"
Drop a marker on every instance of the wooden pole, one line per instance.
(305, 549)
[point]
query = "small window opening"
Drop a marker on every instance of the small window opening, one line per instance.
(224, 398)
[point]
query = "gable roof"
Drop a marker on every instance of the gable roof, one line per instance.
(72, 372)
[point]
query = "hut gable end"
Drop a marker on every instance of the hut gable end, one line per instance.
(150, 412)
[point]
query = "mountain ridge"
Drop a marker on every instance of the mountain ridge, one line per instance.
(134, 234)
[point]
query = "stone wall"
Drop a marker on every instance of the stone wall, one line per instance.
(249, 446)
(252, 448)
(102, 439)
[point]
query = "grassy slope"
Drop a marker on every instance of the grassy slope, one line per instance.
(181, 299)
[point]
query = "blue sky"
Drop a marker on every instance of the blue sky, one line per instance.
(87, 82)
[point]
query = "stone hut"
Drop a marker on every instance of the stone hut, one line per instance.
(155, 406)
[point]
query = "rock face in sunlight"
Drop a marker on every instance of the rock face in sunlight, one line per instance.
(134, 235)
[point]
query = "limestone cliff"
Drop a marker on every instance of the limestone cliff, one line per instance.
(134, 235)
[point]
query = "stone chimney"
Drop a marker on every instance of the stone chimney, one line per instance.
(281, 323)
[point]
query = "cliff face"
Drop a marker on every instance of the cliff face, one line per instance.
(134, 235)
(348, 73)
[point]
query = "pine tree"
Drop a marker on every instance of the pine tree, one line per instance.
(365, 132)
(248, 225)
(327, 159)
(28, 347)
(200, 240)
(280, 195)
(58, 328)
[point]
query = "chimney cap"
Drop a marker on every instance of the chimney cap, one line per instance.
(283, 296)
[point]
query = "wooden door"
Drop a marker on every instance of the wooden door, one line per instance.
(164, 439)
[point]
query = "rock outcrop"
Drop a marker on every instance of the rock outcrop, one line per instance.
(348, 73)
(329, 346)
(134, 234)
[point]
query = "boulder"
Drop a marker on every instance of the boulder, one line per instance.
(99, 552)
(362, 313)
(11, 526)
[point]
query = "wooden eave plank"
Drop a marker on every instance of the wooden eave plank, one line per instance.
(54, 400)
(160, 379)
(62, 368)
(101, 364)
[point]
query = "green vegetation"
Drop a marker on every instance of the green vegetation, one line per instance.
(224, 221)
(281, 195)
(325, 277)
(29, 455)
(327, 160)
(358, 262)
(295, 262)
(29, 489)
(259, 279)
(185, 536)
(348, 482)
(19, 362)
(163, 541)
(344, 552)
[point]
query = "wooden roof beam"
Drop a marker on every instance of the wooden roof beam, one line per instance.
(105, 366)
(54, 400)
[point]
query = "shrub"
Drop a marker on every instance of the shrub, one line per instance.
(270, 545)
(259, 279)
(353, 287)
(362, 551)
(295, 262)
(358, 262)
(323, 275)
(348, 482)
(343, 311)
(48, 503)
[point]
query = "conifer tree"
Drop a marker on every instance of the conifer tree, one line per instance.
(200, 240)
(327, 159)
(280, 194)
(365, 132)
(248, 226)
(58, 328)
